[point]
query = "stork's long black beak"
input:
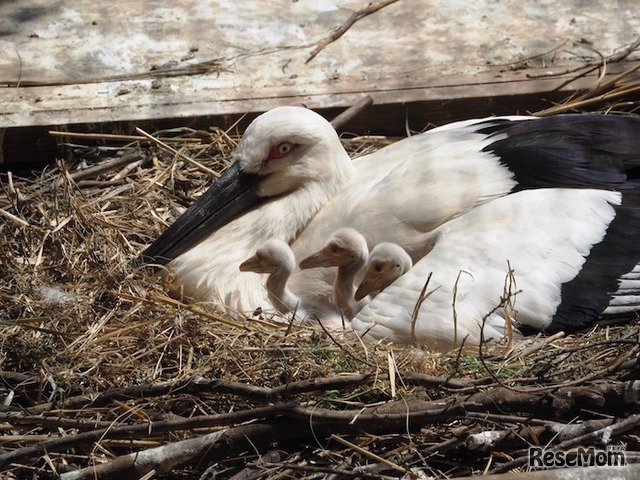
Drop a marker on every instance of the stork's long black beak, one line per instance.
(225, 200)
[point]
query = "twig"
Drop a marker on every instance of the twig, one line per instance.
(602, 373)
(453, 306)
(481, 343)
(593, 345)
(16, 418)
(519, 61)
(602, 88)
(196, 385)
(194, 308)
(103, 167)
(116, 137)
(509, 281)
(564, 431)
(592, 96)
(416, 309)
(342, 29)
(350, 113)
(12, 189)
(591, 66)
(342, 347)
(590, 101)
(170, 149)
(13, 218)
(392, 373)
(457, 362)
(414, 378)
(618, 57)
(99, 183)
(359, 473)
(160, 459)
(127, 170)
(17, 377)
(541, 344)
(272, 457)
(371, 455)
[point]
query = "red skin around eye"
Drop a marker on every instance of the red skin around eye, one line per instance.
(277, 152)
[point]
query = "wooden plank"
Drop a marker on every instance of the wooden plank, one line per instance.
(70, 104)
(435, 105)
(82, 62)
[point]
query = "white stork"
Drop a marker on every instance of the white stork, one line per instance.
(557, 200)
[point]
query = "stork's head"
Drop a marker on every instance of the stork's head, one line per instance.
(387, 262)
(273, 256)
(283, 150)
(345, 248)
(288, 147)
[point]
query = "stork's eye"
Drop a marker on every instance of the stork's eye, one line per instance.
(281, 150)
(285, 148)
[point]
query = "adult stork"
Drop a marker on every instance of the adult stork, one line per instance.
(555, 199)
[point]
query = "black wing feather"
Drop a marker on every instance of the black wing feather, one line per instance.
(572, 151)
(589, 293)
(581, 151)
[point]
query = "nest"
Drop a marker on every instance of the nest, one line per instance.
(104, 374)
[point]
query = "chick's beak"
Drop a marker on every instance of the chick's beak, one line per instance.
(250, 265)
(318, 259)
(370, 284)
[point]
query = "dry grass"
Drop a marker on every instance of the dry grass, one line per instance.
(78, 322)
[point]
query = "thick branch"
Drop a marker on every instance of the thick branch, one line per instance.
(198, 385)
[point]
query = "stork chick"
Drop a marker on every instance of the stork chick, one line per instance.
(387, 262)
(346, 249)
(275, 257)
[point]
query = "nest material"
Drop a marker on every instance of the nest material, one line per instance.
(104, 374)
